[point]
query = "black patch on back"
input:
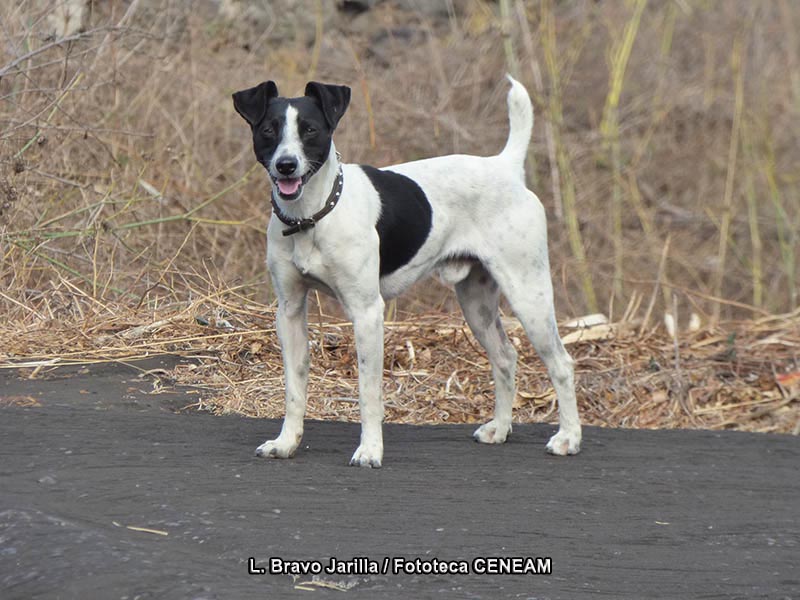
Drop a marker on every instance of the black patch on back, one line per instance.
(405, 220)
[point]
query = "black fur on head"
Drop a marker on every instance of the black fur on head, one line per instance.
(251, 103)
(313, 120)
(333, 99)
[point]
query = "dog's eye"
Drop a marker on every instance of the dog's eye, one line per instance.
(268, 131)
(309, 130)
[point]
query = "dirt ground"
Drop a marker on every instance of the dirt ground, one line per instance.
(110, 491)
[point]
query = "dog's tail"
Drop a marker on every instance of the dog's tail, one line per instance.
(520, 121)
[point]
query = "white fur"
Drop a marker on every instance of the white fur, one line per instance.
(481, 208)
(290, 144)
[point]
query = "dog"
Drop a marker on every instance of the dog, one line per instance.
(365, 235)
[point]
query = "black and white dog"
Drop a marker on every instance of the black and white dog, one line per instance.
(364, 235)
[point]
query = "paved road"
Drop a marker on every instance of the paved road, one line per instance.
(639, 514)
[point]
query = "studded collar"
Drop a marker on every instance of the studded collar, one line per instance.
(297, 225)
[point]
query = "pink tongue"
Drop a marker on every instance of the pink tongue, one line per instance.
(289, 186)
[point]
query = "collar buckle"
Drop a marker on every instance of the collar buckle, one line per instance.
(305, 224)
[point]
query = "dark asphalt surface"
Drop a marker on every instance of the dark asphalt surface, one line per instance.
(638, 514)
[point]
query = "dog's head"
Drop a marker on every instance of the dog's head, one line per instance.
(292, 136)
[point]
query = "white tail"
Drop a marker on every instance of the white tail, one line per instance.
(520, 123)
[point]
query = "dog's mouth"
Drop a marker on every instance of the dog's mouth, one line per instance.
(289, 188)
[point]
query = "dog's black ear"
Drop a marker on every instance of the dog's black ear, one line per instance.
(333, 99)
(252, 103)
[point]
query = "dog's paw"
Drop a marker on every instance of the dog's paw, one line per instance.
(277, 448)
(492, 433)
(564, 443)
(367, 456)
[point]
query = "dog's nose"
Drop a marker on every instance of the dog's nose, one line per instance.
(286, 165)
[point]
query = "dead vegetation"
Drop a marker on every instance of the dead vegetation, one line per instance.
(665, 151)
(743, 377)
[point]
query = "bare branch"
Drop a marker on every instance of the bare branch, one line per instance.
(57, 43)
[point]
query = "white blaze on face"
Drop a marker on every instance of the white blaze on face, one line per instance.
(290, 146)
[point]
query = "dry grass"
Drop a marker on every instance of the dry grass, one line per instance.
(665, 152)
(745, 377)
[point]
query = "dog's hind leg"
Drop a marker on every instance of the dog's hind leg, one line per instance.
(530, 293)
(478, 295)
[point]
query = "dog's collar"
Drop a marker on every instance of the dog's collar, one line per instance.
(297, 225)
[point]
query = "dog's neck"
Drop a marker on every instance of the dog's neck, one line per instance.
(315, 191)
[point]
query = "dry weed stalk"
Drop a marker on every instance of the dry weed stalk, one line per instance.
(111, 139)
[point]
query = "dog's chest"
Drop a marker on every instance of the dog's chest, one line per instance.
(307, 257)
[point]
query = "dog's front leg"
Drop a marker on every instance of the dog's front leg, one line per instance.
(292, 326)
(367, 317)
